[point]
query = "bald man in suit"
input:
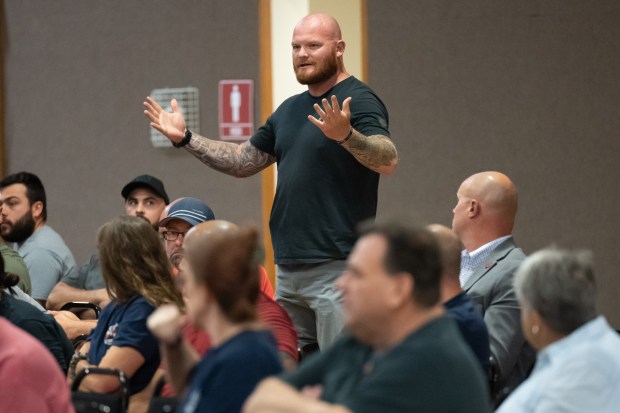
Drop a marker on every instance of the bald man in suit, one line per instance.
(484, 218)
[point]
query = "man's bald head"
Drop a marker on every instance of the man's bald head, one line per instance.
(486, 208)
(450, 247)
(321, 23)
(217, 226)
(495, 191)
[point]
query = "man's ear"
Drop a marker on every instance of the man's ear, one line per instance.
(37, 210)
(474, 209)
(340, 46)
(402, 288)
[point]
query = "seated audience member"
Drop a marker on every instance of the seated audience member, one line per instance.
(457, 303)
(178, 218)
(137, 277)
(578, 363)
(145, 197)
(183, 214)
(401, 352)
(484, 217)
(24, 222)
(30, 377)
(220, 271)
(178, 221)
(29, 318)
(14, 264)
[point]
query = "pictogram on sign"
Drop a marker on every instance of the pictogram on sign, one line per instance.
(236, 109)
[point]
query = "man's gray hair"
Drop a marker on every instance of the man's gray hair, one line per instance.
(560, 286)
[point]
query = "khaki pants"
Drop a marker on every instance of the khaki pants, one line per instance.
(308, 293)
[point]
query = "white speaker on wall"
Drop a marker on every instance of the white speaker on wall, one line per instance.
(187, 97)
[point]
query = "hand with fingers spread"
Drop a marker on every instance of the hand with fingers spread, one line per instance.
(333, 121)
(172, 125)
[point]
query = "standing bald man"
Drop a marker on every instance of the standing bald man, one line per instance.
(484, 217)
(331, 144)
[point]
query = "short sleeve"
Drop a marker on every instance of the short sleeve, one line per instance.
(369, 115)
(133, 332)
(45, 269)
(264, 138)
(76, 278)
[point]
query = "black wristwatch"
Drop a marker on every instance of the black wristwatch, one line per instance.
(185, 140)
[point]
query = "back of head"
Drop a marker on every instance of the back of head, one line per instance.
(412, 250)
(560, 286)
(35, 192)
(223, 258)
(134, 262)
(450, 248)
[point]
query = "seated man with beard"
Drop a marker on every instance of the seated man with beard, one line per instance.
(24, 217)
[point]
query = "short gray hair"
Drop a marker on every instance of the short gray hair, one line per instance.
(560, 286)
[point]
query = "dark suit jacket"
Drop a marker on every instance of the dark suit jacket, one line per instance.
(491, 288)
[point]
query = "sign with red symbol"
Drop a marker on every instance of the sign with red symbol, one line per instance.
(236, 109)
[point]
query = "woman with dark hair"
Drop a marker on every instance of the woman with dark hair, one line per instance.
(222, 281)
(578, 363)
(137, 275)
(32, 320)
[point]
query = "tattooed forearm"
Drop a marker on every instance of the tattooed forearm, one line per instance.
(376, 152)
(234, 159)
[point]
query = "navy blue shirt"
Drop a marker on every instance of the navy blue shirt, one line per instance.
(124, 325)
(472, 327)
(227, 374)
(322, 192)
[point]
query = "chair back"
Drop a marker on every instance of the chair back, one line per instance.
(86, 402)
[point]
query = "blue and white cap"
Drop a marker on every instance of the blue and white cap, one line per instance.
(190, 210)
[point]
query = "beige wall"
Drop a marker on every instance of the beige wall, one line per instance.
(349, 16)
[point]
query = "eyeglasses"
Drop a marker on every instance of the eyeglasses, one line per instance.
(172, 235)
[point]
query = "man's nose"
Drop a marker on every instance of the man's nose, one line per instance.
(179, 240)
(302, 52)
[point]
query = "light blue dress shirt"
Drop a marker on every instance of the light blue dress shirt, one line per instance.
(470, 261)
(580, 373)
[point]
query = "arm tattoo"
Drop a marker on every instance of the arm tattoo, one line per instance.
(376, 152)
(239, 160)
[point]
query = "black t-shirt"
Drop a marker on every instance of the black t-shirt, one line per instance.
(323, 192)
(431, 370)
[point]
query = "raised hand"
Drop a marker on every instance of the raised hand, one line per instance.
(171, 125)
(333, 121)
(166, 323)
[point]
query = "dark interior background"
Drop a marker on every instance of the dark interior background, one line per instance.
(528, 88)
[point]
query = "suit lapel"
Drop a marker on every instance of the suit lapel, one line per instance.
(498, 254)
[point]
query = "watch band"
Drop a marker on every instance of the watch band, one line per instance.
(184, 141)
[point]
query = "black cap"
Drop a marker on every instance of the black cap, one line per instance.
(146, 181)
